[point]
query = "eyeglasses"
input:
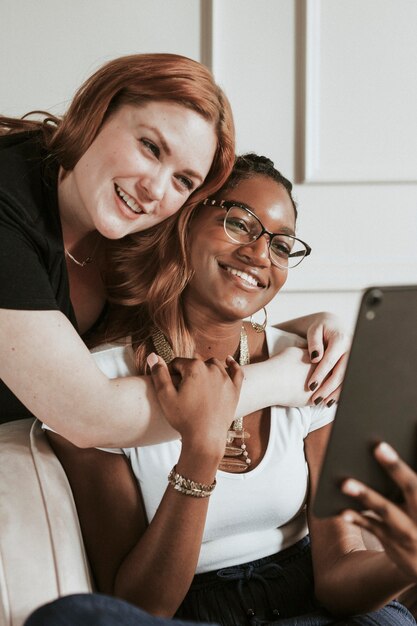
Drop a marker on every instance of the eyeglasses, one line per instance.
(242, 226)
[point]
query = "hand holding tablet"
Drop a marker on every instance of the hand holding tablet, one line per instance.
(394, 526)
(378, 401)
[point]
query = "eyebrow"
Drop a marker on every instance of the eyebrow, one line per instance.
(167, 150)
(284, 230)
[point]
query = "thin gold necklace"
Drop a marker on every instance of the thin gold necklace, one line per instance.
(87, 260)
(236, 458)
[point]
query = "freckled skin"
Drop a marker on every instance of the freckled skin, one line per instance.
(128, 152)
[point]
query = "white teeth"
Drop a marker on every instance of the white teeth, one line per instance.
(244, 276)
(131, 203)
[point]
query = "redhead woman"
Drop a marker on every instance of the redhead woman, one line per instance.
(143, 136)
(214, 527)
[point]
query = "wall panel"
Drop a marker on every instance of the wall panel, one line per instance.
(335, 110)
(360, 234)
(344, 74)
(288, 305)
(361, 91)
(253, 58)
(48, 48)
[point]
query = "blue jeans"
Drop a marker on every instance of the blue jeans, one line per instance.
(276, 591)
(95, 609)
(99, 610)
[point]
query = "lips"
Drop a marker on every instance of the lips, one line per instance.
(128, 200)
(246, 276)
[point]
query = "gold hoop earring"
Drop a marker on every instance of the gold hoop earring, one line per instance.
(259, 328)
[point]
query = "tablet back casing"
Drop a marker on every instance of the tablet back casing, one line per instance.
(378, 400)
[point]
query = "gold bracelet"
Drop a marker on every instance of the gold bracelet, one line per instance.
(189, 487)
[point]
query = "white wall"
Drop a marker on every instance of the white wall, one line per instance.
(47, 48)
(327, 89)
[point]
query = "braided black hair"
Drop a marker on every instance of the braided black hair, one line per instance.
(251, 164)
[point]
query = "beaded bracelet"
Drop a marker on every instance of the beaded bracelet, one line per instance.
(188, 486)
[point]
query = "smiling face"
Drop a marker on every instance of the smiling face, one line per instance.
(140, 169)
(232, 281)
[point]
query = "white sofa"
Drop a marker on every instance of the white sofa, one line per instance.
(42, 554)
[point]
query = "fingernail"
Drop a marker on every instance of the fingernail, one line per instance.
(230, 359)
(351, 487)
(318, 400)
(314, 386)
(314, 354)
(388, 452)
(331, 402)
(347, 517)
(152, 359)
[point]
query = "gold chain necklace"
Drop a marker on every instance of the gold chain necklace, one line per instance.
(87, 260)
(236, 458)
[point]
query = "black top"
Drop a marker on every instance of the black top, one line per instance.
(33, 273)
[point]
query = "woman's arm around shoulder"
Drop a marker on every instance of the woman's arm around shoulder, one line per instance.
(48, 367)
(279, 380)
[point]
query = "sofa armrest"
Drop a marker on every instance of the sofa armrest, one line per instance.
(42, 554)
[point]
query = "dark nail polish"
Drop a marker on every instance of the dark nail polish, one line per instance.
(314, 386)
(314, 354)
(331, 403)
(318, 400)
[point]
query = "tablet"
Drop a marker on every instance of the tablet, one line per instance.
(378, 401)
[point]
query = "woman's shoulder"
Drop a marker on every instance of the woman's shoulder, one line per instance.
(116, 360)
(27, 177)
(21, 145)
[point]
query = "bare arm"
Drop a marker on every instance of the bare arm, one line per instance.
(280, 380)
(348, 578)
(150, 566)
(48, 367)
(153, 566)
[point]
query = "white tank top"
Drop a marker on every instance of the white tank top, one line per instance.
(250, 515)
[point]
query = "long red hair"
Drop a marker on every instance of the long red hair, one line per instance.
(136, 79)
(147, 278)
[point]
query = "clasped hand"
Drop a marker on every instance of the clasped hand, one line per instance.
(199, 399)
